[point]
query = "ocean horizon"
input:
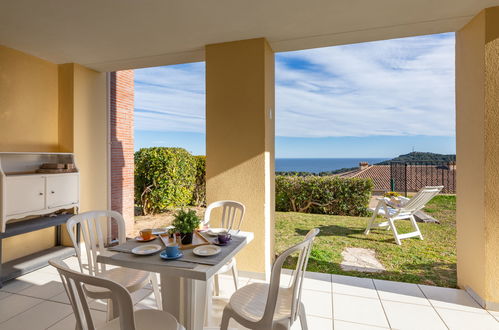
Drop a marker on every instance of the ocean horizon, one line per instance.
(317, 165)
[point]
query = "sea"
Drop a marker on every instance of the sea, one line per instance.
(317, 165)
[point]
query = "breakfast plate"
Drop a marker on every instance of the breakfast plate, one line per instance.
(206, 250)
(140, 239)
(145, 250)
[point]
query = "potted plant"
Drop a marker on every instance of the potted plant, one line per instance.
(185, 222)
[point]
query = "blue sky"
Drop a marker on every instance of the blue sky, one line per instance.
(376, 99)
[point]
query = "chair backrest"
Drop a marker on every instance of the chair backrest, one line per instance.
(303, 248)
(74, 283)
(232, 214)
(419, 200)
(90, 226)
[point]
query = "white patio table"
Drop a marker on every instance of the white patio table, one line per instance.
(185, 291)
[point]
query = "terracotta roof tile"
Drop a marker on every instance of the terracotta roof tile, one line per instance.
(418, 176)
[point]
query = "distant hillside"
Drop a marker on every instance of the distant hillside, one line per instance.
(420, 156)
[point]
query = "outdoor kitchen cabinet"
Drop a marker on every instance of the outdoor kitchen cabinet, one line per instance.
(30, 201)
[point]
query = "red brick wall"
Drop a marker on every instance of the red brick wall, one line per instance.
(122, 165)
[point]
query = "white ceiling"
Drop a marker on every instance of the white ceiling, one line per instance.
(108, 35)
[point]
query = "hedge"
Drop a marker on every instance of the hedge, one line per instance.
(164, 177)
(199, 193)
(169, 177)
(323, 195)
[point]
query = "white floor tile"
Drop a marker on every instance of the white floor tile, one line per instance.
(458, 319)
(15, 285)
(356, 309)
(227, 287)
(412, 316)
(44, 291)
(401, 292)
(495, 314)
(355, 286)
(317, 282)
(147, 301)
(15, 304)
(4, 294)
(39, 317)
(98, 304)
(61, 298)
(138, 295)
(317, 303)
(451, 298)
(314, 322)
(343, 325)
(98, 317)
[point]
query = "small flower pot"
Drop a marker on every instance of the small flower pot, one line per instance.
(186, 238)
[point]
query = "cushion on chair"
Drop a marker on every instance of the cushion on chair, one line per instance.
(131, 279)
(249, 302)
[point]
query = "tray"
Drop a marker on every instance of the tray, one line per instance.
(197, 240)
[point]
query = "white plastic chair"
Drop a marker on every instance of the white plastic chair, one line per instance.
(270, 306)
(91, 231)
(232, 217)
(405, 210)
(77, 285)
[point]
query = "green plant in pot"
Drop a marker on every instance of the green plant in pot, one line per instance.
(185, 222)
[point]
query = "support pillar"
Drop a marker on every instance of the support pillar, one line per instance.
(240, 139)
(477, 128)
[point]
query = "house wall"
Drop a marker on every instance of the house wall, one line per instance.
(240, 140)
(122, 144)
(477, 128)
(54, 108)
(28, 122)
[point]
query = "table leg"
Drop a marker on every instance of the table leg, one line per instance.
(171, 295)
(209, 302)
(194, 305)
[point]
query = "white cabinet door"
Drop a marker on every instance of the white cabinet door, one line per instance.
(24, 194)
(62, 190)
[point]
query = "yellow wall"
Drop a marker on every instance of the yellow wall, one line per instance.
(54, 108)
(477, 127)
(90, 136)
(240, 139)
(28, 122)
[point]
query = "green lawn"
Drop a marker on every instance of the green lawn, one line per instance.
(431, 261)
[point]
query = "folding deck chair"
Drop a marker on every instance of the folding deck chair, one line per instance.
(405, 210)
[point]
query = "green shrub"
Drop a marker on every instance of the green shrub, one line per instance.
(164, 177)
(185, 221)
(323, 195)
(199, 194)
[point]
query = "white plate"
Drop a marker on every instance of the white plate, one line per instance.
(215, 231)
(206, 250)
(147, 249)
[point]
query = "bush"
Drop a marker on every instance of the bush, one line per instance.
(323, 195)
(186, 221)
(199, 194)
(164, 177)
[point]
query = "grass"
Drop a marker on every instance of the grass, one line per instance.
(431, 261)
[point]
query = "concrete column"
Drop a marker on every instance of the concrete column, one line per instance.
(83, 125)
(477, 127)
(240, 139)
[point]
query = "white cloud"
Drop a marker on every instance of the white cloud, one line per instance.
(170, 98)
(394, 87)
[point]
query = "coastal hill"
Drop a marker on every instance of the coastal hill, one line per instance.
(420, 156)
(412, 156)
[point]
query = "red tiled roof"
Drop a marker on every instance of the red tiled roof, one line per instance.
(418, 176)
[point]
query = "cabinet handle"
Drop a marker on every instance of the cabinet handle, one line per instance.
(41, 194)
(52, 192)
